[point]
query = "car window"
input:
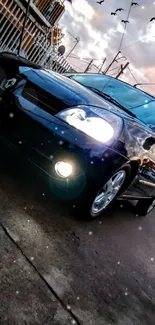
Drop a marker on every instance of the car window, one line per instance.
(141, 104)
(98, 82)
(146, 113)
(125, 94)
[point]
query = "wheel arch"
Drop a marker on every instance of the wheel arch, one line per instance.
(134, 164)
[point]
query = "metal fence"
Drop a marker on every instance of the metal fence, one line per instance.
(52, 10)
(58, 63)
(37, 43)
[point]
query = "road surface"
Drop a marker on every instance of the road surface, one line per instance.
(55, 269)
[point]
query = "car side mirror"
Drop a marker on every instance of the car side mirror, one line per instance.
(149, 142)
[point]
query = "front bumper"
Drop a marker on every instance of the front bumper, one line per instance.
(93, 163)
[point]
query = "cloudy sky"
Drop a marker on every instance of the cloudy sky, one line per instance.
(100, 35)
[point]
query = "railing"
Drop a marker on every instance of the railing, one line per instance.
(52, 10)
(37, 45)
(58, 63)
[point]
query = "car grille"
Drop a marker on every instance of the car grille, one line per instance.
(42, 99)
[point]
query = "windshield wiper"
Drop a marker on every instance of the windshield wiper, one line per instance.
(152, 127)
(111, 99)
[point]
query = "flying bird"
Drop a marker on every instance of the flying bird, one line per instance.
(119, 9)
(134, 4)
(152, 19)
(125, 21)
(100, 2)
(113, 14)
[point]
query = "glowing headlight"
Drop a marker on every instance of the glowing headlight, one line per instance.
(95, 127)
(91, 122)
(63, 169)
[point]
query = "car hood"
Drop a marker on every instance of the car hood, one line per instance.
(70, 93)
(63, 88)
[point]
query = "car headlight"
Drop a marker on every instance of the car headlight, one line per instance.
(97, 123)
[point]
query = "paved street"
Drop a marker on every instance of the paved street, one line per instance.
(57, 270)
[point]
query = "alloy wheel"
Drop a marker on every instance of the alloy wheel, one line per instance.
(107, 193)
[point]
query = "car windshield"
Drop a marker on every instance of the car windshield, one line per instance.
(136, 101)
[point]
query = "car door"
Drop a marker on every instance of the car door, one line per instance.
(147, 175)
(144, 182)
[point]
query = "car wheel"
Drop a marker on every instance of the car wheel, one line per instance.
(94, 203)
(144, 207)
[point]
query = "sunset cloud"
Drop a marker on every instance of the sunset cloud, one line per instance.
(100, 34)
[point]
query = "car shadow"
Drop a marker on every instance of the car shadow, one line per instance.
(33, 184)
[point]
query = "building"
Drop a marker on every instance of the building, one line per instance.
(42, 35)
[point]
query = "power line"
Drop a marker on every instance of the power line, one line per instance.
(114, 69)
(94, 66)
(76, 67)
(137, 82)
(133, 75)
(77, 58)
(88, 59)
(124, 47)
(122, 38)
(111, 63)
(114, 74)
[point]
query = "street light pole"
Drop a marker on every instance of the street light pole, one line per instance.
(23, 27)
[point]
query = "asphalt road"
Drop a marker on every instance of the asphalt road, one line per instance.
(55, 269)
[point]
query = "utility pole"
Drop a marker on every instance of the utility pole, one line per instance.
(122, 70)
(23, 28)
(109, 66)
(100, 69)
(88, 66)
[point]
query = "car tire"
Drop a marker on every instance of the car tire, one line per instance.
(144, 207)
(85, 207)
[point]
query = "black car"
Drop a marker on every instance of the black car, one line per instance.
(91, 146)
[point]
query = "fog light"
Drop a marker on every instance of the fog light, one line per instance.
(63, 169)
